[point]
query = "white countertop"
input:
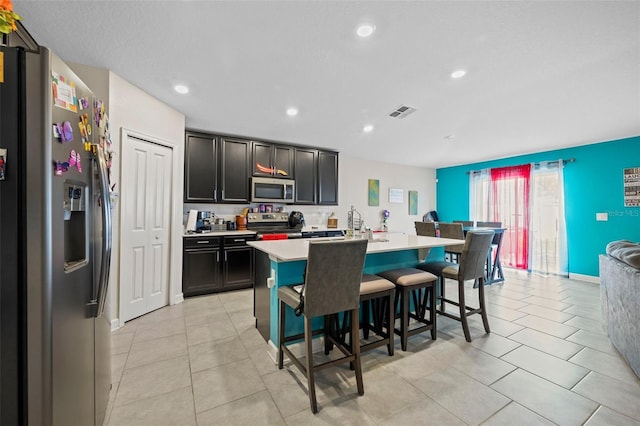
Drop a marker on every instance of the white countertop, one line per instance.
(320, 228)
(298, 249)
(218, 234)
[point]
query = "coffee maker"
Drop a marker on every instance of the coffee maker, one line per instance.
(203, 221)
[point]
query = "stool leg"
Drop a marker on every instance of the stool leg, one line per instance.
(310, 374)
(355, 349)
(390, 324)
(432, 310)
(404, 318)
(442, 281)
(483, 313)
(463, 311)
(281, 336)
(366, 321)
(328, 330)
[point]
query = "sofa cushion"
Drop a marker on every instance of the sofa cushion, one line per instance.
(625, 251)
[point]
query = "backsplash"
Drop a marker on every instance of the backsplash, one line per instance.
(313, 215)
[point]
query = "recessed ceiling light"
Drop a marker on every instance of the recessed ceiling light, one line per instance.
(365, 30)
(368, 128)
(181, 88)
(291, 112)
(458, 74)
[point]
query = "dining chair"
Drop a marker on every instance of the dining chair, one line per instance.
(425, 229)
(489, 224)
(494, 243)
(331, 284)
(464, 222)
(470, 267)
(455, 231)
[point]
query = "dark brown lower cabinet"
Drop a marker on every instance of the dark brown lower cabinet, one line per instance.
(214, 264)
(201, 266)
(238, 262)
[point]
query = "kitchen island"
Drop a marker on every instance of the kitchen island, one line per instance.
(282, 263)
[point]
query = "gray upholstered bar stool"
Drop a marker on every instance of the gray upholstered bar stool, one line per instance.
(376, 301)
(420, 286)
(377, 298)
(471, 267)
(331, 285)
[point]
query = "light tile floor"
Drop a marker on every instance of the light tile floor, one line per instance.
(546, 361)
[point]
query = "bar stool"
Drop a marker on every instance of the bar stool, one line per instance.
(420, 285)
(332, 284)
(376, 298)
(471, 267)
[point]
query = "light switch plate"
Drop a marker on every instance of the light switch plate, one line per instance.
(602, 217)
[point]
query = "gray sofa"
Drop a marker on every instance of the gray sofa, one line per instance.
(620, 298)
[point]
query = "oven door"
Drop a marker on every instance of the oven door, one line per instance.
(272, 190)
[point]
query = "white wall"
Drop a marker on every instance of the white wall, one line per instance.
(353, 176)
(130, 108)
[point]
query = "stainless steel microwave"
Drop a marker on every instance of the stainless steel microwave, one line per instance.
(271, 190)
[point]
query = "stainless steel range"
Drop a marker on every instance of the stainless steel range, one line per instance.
(272, 225)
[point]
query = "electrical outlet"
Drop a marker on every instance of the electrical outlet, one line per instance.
(602, 217)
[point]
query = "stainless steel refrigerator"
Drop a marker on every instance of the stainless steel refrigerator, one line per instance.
(55, 244)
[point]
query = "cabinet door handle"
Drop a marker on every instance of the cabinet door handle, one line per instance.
(225, 256)
(202, 242)
(217, 256)
(241, 240)
(215, 195)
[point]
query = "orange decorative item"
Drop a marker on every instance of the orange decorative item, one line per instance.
(271, 170)
(241, 223)
(8, 17)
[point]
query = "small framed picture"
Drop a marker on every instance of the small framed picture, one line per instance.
(268, 208)
(395, 195)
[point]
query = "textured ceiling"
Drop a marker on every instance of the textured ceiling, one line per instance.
(540, 74)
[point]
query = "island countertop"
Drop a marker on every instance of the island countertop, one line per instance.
(298, 249)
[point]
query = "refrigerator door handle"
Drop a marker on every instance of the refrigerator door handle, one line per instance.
(105, 261)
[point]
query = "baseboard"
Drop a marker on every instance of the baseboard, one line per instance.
(115, 324)
(586, 278)
(179, 298)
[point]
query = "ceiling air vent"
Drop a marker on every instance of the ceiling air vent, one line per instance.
(401, 112)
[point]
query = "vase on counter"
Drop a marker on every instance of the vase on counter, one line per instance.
(241, 223)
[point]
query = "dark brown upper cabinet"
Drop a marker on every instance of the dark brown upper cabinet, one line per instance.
(272, 160)
(327, 178)
(235, 160)
(217, 169)
(200, 168)
(306, 170)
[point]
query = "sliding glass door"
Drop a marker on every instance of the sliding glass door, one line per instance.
(529, 201)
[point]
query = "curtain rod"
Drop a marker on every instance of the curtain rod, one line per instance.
(570, 160)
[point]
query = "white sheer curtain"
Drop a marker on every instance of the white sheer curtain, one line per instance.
(548, 232)
(479, 193)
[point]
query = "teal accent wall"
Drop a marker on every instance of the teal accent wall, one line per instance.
(592, 184)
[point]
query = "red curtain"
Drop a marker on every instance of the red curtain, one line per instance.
(510, 205)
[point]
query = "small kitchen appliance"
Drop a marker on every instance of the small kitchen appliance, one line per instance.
(296, 219)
